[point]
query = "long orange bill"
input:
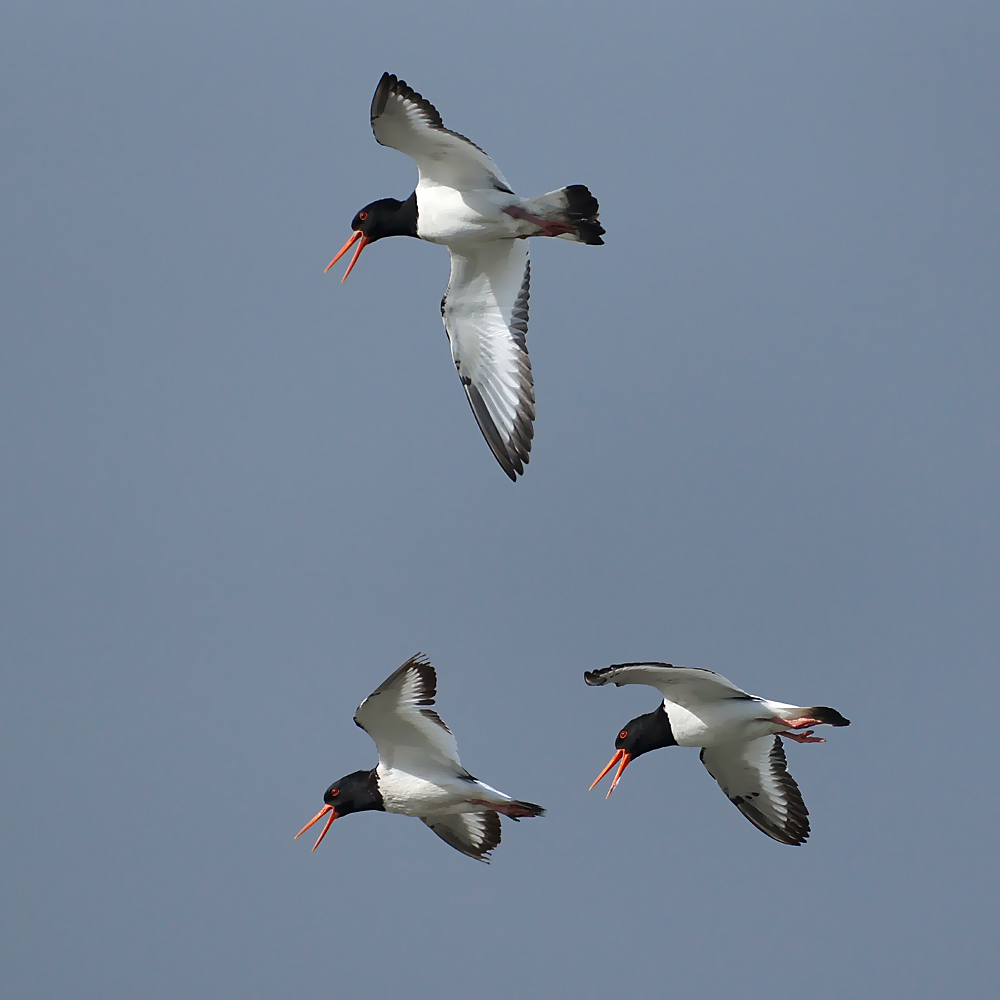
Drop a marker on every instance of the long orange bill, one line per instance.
(611, 763)
(329, 823)
(621, 770)
(355, 236)
(315, 819)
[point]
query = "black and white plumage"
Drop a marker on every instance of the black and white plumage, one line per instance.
(418, 772)
(463, 201)
(739, 733)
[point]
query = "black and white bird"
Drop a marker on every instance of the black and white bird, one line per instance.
(463, 201)
(739, 734)
(418, 772)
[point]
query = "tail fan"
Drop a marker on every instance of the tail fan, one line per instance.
(574, 205)
(827, 716)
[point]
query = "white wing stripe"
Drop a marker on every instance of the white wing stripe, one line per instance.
(398, 718)
(403, 119)
(755, 778)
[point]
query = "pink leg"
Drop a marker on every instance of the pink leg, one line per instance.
(806, 737)
(797, 723)
(548, 227)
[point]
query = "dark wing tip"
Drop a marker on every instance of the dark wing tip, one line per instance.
(595, 678)
(517, 450)
(391, 86)
(491, 837)
(382, 92)
(510, 461)
(652, 663)
(480, 850)
(795, 830)
(794, 833)
(514, 453)
(427, 678)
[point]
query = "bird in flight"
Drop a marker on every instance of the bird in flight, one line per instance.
(418, 771)
(463, 201)
(739, 733)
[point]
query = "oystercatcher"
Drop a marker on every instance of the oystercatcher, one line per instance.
(739, 734)
(463, 201)
(418, 772)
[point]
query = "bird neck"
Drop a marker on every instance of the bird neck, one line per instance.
(371, 797)
(402, 222)
(652, 732)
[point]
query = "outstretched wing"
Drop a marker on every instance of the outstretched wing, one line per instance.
(485, 313)
(755, 777)
(689, 687)
(407, 732)
(404, 120)
(474, 834)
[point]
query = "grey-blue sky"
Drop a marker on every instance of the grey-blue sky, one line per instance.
(237, 495)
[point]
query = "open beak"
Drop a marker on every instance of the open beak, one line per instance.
(620, 756)
(316, 819)
(355, 236)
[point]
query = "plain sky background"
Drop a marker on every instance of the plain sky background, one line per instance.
(237, 494)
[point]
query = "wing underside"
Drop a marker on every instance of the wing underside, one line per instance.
(474, 833)
(685, 686)
(403, 119)
(398, 717)
(755, 778)
(485, 313)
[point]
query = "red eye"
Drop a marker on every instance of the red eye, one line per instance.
(335, 791)
(623, 734)
(362, 216)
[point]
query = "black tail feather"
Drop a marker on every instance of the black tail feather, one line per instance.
(518, 809)
(828, 716)
(581, 211)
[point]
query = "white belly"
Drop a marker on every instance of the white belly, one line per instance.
(720, 722)
(437, 794)
(446, 215)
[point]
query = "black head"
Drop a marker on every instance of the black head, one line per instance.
(385, 217)
(646, 732)
(353, 793)
(642, 734)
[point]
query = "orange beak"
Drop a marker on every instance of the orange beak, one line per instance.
(316, 819)
(355, 236)
(620, 755)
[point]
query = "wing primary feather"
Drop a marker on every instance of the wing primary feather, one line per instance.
(491, 433)
(744, 781)
(473, 834)
(489, 347)
(397, 716)
(391, 86)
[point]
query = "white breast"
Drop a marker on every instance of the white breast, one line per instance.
(413, 795)
(719, 722)
(446, 215)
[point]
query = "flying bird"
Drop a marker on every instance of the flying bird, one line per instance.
(418, 772)
(739, 734)
(463, 201)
